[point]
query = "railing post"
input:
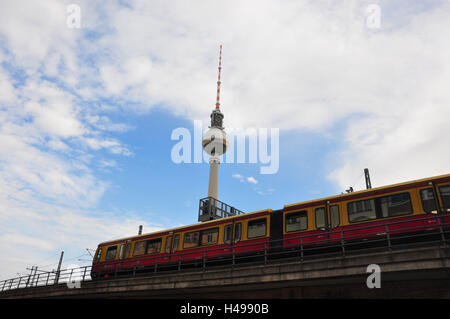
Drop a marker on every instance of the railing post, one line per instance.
(265, 253)
(388, 237)
(301, 248)
(204, 259)
(441, 230)
(342, 242)
(232, 256)
(37, 280)
(84, 273)
(70, 277)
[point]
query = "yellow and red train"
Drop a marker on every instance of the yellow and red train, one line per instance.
(411, 208)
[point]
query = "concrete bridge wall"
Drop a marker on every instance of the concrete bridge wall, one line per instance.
(407, 273)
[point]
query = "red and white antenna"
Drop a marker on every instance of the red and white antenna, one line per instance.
(218, 80)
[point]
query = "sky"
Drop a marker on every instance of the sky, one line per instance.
(91, 95)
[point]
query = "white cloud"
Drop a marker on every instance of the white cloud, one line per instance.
(239, 177)
(298, 65)
(243, 179)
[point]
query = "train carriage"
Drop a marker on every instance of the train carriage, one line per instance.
(408, 212)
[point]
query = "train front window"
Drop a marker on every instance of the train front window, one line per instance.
(428, 201)
(99, 254)
(361, 210)
(256, 228)
(445, 195)
(296, 221)
(111, 253)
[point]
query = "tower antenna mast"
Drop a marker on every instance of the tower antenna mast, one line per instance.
(218, 80)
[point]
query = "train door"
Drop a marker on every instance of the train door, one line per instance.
(276, 230)
(327, 219)
(436, 200)
(444, 192)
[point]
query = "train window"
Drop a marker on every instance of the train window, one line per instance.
(209, 236)
(191, 239)
(256, 228)
(228, 234)
(168, 243)
(445, 195)
(139, 248)
(296, 221)
(395, 205)
(111, 253)
(176, 240)
(99, 254)
(321, 218)
(361, 210)
(121, 251)
(126, 251)
(334, 216)
(237, 232)
(153, 246)
(428, 201)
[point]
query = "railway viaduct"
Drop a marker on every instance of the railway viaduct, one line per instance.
(414, 272)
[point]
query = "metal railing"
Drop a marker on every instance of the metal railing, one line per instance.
(210, 208)
(46, 278)
(337, 242)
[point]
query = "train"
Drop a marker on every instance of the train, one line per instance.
(408, 212)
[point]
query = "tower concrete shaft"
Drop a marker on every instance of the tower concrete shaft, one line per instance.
(213, 189)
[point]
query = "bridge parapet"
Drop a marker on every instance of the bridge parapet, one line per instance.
(415, 272)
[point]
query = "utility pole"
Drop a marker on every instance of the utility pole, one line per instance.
(59, 268)
(29, 277)
(367, 176)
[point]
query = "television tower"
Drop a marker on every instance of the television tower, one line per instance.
(215, 140)
(215, 143)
